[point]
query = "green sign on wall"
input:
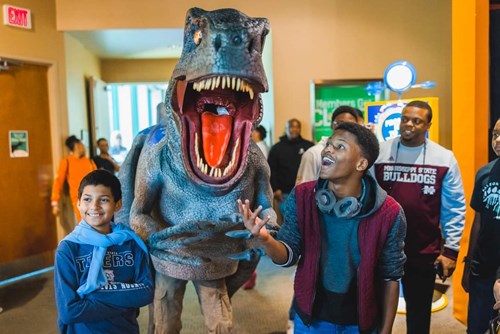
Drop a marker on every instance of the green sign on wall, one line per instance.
(331, 94)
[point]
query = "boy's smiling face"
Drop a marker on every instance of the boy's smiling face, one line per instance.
(341, 157)
(97, 207)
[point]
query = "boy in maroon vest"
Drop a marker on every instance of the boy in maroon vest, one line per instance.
(346, 236)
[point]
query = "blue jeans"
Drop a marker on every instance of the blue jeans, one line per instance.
(323, 327)
(481, 303)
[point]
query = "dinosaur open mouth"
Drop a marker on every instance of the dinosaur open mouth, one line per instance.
(217, 115)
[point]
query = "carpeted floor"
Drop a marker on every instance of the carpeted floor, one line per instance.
(29, 307)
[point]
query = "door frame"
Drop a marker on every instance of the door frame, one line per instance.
(58, 115)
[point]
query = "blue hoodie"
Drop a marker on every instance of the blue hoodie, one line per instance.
(114, 307)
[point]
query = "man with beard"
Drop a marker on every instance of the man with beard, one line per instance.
(425, 179)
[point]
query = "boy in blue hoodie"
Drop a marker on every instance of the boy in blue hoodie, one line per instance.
(102, 273)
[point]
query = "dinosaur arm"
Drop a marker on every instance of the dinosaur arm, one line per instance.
(127, 178)
(147, 190)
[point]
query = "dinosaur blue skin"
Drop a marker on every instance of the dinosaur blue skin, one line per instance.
(171, 196)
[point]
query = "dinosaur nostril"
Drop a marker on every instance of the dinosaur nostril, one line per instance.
(217, 43)
(250, 45)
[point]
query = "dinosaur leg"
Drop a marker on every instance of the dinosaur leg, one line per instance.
(215, 305)
(242, 274)
(169, 293)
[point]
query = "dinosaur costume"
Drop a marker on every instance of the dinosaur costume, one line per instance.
(182, 177)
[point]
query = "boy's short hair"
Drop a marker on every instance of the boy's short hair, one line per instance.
(102, 177)
(100, 140)
(356, 113)
(70, 142)
(367, 141)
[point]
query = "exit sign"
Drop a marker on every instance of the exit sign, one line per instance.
(16, 16)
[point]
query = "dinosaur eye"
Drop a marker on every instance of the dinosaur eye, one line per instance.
(197, 37)
(237, 40)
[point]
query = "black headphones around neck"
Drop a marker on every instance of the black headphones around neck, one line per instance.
(347, 207)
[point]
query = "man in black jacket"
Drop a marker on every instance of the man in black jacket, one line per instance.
(284, 160)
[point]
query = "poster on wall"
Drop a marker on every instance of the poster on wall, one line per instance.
(327, 95)
(386, 117)
(18, 144)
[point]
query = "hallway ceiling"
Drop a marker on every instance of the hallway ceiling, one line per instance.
(132, 44)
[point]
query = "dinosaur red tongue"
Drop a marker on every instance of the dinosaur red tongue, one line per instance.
(216, 132)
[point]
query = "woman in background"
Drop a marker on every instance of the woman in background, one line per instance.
(72, 169)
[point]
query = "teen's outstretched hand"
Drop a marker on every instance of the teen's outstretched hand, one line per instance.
(252, 221)
(273, 248)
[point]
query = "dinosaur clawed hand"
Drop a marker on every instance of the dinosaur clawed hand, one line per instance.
(251, 254)
(196, 242)
(240, 234)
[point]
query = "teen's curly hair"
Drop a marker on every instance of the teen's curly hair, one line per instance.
(367, 141)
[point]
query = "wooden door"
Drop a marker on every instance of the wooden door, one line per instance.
(27, 227)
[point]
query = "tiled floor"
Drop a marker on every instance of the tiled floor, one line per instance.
(29, 307)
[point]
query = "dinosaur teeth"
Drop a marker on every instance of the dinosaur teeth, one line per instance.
(196, 149)
(233, 83)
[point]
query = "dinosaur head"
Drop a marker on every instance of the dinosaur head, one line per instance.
(216, 89)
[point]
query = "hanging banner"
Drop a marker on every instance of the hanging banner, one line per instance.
(386, 117)
(326, 96)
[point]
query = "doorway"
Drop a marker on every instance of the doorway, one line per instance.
(119, 111)
(27, 224)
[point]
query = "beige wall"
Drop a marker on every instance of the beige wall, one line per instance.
(317, 39)
(42, 44)
(80, 64)
(139, 70)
